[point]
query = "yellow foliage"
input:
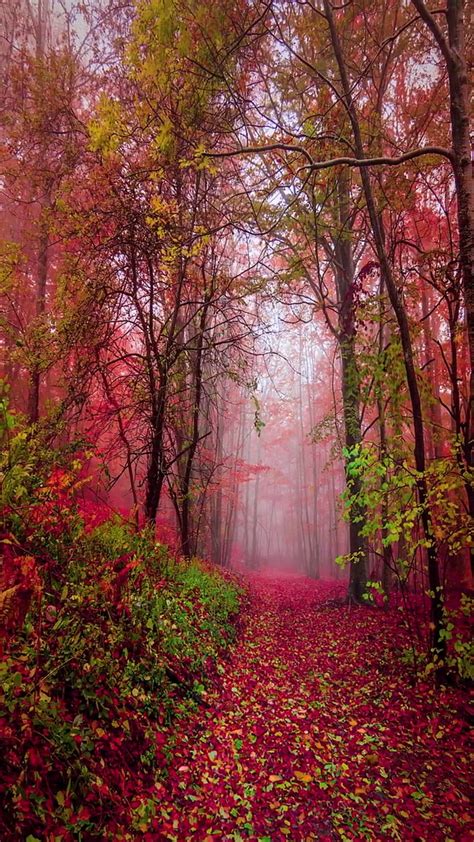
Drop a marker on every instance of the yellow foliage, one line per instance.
(303, 777)
(107, 130)
(10, 258)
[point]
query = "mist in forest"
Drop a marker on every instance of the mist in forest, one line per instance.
(289, 517)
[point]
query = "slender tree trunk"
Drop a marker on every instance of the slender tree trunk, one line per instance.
(433, 444)
(156, 471)
(216, 501)
(345, 281)
(308, 537)
(124, 439)
(231, 509)
(438, 641)
(357, 542)
(454, 52)
(386, 552)
(185, 490)
(41, 284)
(246, 515)
(254, 558)
(40, 24)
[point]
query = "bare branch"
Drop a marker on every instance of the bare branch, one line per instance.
(377, 161)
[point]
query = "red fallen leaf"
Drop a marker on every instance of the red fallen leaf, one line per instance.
(24, 807)
(34, 758)
(298, 714)
(297, 708)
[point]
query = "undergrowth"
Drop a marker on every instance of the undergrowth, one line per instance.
(106, 642)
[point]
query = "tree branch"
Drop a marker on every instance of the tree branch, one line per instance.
(428, 18)
(335, 162)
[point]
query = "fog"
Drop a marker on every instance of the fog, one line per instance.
(289, 515)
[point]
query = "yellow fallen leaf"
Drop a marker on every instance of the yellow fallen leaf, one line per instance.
(274, 778)
(303, 777)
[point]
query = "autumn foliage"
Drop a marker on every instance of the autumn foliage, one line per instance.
(236, 406)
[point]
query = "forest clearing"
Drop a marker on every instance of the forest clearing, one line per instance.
(236, 420)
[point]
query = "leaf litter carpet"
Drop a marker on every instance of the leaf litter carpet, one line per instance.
(313, 732)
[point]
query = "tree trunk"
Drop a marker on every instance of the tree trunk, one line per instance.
(345, 281)
(357, 542)
(156, 471)
(185, 490)
(40, 293)
(436, 598)
(454, 53)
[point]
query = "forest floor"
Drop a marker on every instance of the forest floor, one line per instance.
(313, 733)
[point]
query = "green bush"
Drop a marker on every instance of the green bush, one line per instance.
(119, 641)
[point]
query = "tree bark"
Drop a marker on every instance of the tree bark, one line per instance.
(436, 598)
(453, 48)
(345, 281)
(40, 293)
(185, 490)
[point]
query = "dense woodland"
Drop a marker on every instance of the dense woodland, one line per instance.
(236, 427)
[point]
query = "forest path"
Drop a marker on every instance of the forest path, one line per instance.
(312, 735)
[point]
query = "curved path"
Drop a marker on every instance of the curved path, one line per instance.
(313, 735)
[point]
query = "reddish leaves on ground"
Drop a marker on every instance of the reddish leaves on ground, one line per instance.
(309, 731)
(315, 734)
